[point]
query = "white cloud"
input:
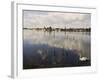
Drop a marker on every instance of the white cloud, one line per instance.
(56, 19)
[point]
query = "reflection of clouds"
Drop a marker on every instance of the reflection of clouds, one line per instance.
(56, 19)
(77, 41)
(42, 53)
(83, 58)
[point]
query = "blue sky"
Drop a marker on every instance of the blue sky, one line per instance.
(33, 19)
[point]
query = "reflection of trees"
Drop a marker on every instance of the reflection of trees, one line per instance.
(61, 58)
(75, 44)
(62, 53)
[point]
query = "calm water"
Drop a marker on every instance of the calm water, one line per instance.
(55, 49)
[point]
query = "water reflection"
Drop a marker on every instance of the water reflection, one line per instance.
(42, 49)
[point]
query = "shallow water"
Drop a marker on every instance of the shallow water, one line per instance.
(42, 49)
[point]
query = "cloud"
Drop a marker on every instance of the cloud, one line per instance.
(56, 19)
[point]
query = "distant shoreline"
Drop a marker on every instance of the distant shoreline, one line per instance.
(50, 29)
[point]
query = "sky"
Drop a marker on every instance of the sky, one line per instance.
(34, 19)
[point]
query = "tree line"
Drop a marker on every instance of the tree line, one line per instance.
(61, 29)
